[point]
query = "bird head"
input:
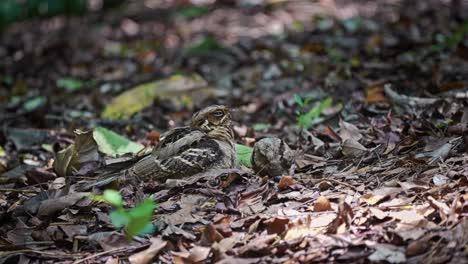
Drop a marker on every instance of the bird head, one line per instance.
(211, 117)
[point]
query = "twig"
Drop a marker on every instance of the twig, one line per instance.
(110, 251)
(342, 183)
(17, 190)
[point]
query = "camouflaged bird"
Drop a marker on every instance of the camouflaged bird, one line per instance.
(208, 143)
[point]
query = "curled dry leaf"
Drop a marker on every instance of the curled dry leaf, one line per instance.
(145, 256)
(351, 148)
(349, 131)
(322, 204)
(210, 235)
(69, 160)
(417, 247)
(379, 195)
(311, 226)
(285, 182)
(55, 205)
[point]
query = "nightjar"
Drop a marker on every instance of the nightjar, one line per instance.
(208, 143)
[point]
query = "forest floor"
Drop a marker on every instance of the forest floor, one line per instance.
(383, 174)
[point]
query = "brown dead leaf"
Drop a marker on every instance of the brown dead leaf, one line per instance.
(344, 216)
(258, 246)
(322, 204)
(311, 226)
(349, 131)
(379, 214)
(351, 148)
(52, 206)
(417, 247)
(70, 159)
(210, 235)
(442, 208)
(285, 182)
(113, 260)
(379, 195)
(199, 254)
(375, 94)
(324, 185)
(276, 225)
(228, 243)
(145, 256)
(407, 216)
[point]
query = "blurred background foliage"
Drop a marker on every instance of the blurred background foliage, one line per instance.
(16, 10)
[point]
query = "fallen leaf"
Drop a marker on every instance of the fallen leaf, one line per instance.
(439, 180)
(349, 131)
(379, 214)
(55, 205)
(285, 182)
(379, 195)
(84, 150)
(25, 139)
(387, 252)
(199, 254)
(244, 155)
(145, 256)
(181, 90)
(417, 247)
(111, 143)
(322, 204)
(310, 227)
(352, 148)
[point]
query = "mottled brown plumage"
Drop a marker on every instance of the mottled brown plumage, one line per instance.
(208, 143)
(272, 156)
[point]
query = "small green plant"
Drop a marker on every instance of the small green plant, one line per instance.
(309, 118)
(444, 124)
(135, 221)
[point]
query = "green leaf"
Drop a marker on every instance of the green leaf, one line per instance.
(192, 11)
(97, 198)
(113, 197)
(69, 84)
(306, 120)
(112, 143)
(244, 155)
(147, 229)
(205, 45)
(119, 218)
(34, 103)
(7, 80)
(261, 126)
(178, 89)
(299, 100)
(2, 152)
(140, 218)
(47, 147)
(352, 24)
(444, 124)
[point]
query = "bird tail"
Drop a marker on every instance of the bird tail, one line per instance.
(117, 177)
(118, 172)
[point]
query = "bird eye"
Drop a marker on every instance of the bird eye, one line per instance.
(218, 113)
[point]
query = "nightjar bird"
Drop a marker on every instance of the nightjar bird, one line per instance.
(207, 144)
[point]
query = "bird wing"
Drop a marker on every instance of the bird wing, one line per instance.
(173, 141)
(171, 144)
(191, 159)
